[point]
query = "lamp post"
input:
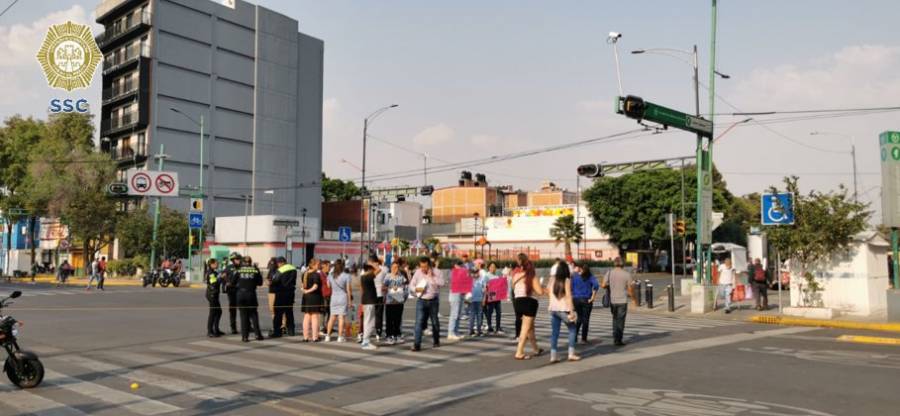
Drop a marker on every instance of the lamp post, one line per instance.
(160, 161)
(475, 235)
(366, 121)
(702, 170)
(246, 218)
(852, 155)
(200, 189)
(303, 234)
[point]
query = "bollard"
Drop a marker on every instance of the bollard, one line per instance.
(671, 293)
(649, 293)
(637, 293)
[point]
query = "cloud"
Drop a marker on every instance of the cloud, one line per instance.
(434, 135)
(19, 43)
(862, 75)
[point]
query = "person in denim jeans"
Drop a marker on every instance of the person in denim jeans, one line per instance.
(562, 310)
(492, 305)
(584, 290)
(726, 282)
(426, 286)
(476, 314)
(456, 302)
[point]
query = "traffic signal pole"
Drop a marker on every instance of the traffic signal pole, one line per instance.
(160, 159)
(712, 107)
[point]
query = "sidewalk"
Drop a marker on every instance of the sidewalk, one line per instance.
(83, 281)
(745, 311)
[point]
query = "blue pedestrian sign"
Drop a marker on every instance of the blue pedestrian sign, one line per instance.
(777, 209)
(195, 220)
(344, 234)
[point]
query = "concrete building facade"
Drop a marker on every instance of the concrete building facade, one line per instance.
(255, 80)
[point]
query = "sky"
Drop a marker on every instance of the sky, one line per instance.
(476, 79)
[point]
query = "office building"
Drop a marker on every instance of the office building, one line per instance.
(255, 80)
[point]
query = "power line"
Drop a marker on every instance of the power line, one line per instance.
(8, 7)
(828, 110)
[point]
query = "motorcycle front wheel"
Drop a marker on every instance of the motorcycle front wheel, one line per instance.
(31, 376)
(176, 282)
(164, 282)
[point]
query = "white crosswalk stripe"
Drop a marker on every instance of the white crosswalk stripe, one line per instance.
(224, 372)
(132, 402)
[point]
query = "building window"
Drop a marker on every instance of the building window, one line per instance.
(141, 144)
(145, 46)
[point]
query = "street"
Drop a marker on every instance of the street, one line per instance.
(95, 345)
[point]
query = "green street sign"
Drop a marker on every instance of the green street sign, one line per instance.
(117, 188)
(636, 108)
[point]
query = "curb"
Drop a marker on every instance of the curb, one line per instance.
(80, 282)
(781, 320)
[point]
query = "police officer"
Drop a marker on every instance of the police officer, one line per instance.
(284, 284)
(229, 277)
(248, 278)
(213, 287)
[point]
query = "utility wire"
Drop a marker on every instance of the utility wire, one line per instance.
(829, 110)
(8, 7)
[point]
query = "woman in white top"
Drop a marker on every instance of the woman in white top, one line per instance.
(562, 310)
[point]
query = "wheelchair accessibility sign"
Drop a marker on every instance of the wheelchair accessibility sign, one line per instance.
(777, 209)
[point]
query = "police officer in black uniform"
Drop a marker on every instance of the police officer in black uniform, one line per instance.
(229, 277)
(284, 284)
(247, 279)
(213, 287)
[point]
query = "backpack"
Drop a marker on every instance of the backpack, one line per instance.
(326, 287)
(759, 274)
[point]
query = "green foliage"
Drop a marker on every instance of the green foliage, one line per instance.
(172, 239)
(825, 224)
(135, 232)
(18, 138)
(632, 208)
(565, 230)
(127, 266)
(338, 190)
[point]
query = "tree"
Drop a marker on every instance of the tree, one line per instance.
(824, 225)
(18, 138)
(565, 230)
(172, 239)
(632, 208)
(338, 190)
(135, 232)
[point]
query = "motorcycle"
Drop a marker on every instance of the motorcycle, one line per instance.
(151, 278)
(23, 368)
(169, 277)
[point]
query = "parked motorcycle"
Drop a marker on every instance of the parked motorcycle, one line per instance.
(23, 368)
(151, 278)
(167, 277)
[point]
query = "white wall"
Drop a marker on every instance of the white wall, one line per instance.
(854, 283)
(510, 229)
(261, 229)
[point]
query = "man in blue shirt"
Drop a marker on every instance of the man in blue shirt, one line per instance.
(584, 291)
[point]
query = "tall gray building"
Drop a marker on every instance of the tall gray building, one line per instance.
(253, 77)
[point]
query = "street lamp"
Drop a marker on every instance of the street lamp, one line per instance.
(303, 235)
(682, 56)
(366, 121)
(246, 218)
(852, 155)
(475, 235)
(272, 198)
(200, 190)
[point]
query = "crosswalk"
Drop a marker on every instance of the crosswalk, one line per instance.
(211, 376)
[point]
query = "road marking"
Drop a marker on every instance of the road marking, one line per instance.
(860, 339)
(206, 371)
(373, 356)
(132, 402)
(262, 365)
(28, 403)
(164, 382)
(418, 401)
(356, 369)
(404, 350)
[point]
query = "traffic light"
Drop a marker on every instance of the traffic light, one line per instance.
(679, 227)
(634, 107)
(591, 170)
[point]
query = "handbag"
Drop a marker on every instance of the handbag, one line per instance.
(605, 300)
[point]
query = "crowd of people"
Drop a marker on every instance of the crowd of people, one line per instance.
(331, 312)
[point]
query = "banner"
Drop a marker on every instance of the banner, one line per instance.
(497, 289)
(460, 281)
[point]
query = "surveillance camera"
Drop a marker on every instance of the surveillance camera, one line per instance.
(615, 35)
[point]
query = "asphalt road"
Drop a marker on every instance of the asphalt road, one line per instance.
(95, 345)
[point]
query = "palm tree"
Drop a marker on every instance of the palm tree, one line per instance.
(566, 230)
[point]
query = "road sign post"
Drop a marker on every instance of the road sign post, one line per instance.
(145, 186)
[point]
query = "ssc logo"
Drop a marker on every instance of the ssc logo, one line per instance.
(69, 55)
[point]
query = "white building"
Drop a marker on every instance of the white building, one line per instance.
(265, 236)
